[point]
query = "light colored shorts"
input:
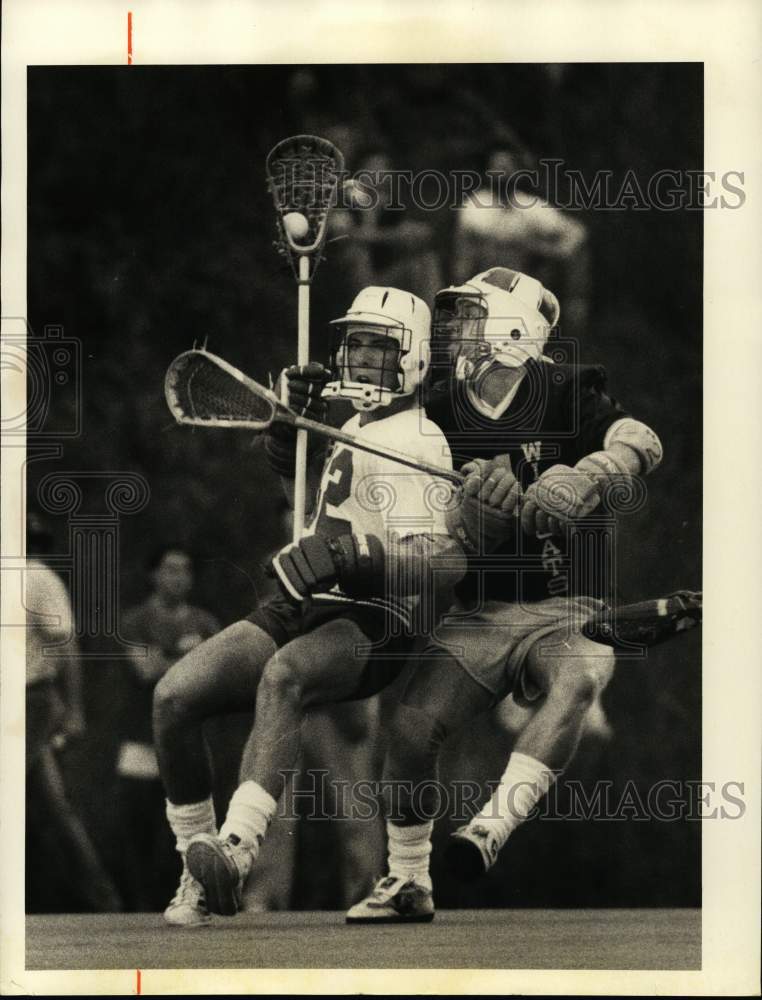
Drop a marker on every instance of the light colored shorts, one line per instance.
(492, 641)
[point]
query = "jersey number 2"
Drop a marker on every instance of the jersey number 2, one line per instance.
(337, 485)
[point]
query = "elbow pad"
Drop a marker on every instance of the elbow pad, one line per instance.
(640, 439)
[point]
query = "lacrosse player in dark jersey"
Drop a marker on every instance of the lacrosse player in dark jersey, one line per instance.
(542, 445)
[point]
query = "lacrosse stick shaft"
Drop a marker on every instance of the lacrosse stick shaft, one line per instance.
(335, 434)
(303, 358)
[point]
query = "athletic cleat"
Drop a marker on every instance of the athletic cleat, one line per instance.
(471, 851)
(187, 908)
(394, 901)
(222, 867)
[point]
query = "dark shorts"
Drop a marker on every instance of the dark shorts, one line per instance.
(387, 650)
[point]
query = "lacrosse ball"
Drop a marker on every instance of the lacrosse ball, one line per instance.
(296, 225)
(356, 195)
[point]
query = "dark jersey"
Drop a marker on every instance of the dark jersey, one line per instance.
(560, 414)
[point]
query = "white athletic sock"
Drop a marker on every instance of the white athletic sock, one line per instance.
(188, 820)
(409, 851)
(523, 784)
(249, 815)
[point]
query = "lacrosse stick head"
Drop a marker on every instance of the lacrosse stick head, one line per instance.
(203, 390)
(303, 175)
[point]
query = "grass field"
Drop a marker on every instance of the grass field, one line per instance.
(458, 939)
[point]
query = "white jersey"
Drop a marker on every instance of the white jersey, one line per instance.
(49, 621)
(365, 494)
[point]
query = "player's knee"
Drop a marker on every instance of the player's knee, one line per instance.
(584, 674)
(281, 679)
(174, 700)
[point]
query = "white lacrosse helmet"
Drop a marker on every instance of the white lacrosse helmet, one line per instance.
(404, 319)
(499, 318)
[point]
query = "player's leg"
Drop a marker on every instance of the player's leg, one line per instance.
(440, 698)
(571, 679)
(511, 717)
(219, 675)
(276, 864)
(347, 740)
(323, 666)
(566, 674)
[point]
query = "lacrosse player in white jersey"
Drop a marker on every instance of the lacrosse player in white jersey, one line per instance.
(350, 604)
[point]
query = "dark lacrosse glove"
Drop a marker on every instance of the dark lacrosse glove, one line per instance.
(301, 387)
(316, 564)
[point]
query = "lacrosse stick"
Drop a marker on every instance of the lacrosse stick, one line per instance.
(647, 622)
(203, 390)
(303, 174)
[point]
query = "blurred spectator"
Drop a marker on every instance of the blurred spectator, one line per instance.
(385, 246)
(54, 714)
(165, 627)
(507, 222)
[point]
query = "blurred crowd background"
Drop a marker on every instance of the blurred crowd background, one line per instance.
(150, 228)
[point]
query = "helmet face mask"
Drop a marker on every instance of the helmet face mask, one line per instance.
(488, 329)
(382, 349)
(458, 325)
(366, 363)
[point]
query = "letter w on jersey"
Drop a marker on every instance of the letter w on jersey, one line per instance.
(533, 453)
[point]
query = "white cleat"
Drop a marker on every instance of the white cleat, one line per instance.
(221, 867)
(394, 901)
(187, 908)
(471, 851)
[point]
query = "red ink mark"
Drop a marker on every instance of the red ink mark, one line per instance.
(129, 63)
(137, 971)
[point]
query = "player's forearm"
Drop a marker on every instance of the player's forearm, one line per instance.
(563, 494)
(630, 448)
(365, 566)
(423, 563)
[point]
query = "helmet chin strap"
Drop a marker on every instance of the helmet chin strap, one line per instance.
(366, 396)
